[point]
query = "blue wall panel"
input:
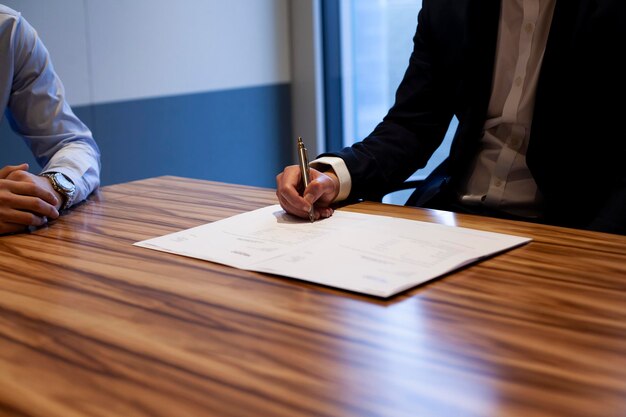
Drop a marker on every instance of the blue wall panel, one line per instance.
(239, 136)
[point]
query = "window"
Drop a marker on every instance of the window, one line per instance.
(375, 39)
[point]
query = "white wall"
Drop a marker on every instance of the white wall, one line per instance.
(114, 50)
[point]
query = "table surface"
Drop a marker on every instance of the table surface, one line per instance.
(93, 326)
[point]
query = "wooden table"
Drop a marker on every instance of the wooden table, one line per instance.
(93, 326)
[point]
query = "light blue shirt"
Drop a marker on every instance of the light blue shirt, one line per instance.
(34, 101)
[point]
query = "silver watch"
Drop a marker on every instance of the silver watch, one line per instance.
(63, 186)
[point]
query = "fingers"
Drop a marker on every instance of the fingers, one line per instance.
(320, 193)
(25, 209)
(25, 203)
(287, 184)
(25, 183)
(31, 204)
(25, 199)
(5, 171)
(19, 218)
(28, 196)
(323, 212)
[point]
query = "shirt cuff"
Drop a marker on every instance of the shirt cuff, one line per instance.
(341, 171)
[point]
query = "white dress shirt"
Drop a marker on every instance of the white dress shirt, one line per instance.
(499, 177)
(33, 98)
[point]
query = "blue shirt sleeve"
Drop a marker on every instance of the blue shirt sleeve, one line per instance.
(37, 109)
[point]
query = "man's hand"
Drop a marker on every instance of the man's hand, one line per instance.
(25, 199)
(322, 191)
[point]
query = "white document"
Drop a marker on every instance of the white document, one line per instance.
(371, 254)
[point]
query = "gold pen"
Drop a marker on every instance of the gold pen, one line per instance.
(304, 172)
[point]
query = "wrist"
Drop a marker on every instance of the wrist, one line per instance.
(64, 189)
(338, 167)
(330, 173)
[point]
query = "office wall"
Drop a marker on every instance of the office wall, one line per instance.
(198, 88)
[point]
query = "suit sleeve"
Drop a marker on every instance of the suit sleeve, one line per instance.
(411, 131)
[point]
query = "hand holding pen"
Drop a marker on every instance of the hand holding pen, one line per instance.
(306, 192)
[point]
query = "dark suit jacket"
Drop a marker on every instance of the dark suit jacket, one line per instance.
(577, 148)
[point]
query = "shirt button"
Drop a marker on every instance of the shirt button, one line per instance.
(497, 183)
(518, 81)
(528, 27)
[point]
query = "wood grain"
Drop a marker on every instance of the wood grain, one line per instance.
(93, 326)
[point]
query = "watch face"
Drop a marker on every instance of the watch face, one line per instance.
(63, 182)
